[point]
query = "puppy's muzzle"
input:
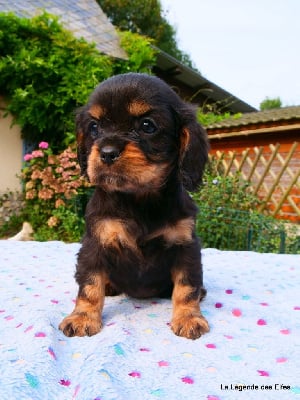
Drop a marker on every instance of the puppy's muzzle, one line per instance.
(109, 154)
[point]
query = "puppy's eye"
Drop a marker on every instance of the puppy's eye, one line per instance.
(93, 129)
(148, 126)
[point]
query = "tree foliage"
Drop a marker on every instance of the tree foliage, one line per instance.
(46, 74)
(145, 17)
(269, 104)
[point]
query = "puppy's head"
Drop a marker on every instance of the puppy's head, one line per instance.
(135, 133)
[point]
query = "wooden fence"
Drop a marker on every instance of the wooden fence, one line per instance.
(273, 172)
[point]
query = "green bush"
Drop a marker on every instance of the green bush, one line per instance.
(228, 218)
(141, 55)
(46, 74)
(209, 114)
(292, 238)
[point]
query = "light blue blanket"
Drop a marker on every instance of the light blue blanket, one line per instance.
(251, 352)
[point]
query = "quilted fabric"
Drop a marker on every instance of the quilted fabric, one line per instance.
(251, 352)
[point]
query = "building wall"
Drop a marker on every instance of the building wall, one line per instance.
(11, 150)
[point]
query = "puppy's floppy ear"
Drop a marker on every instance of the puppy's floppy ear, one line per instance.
(81, 149)
(194, 149)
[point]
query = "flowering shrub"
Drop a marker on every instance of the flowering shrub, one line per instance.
(53, 190)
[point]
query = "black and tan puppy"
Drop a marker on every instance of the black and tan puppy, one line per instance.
(141, 147)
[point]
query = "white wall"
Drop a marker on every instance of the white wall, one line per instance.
(11, 149)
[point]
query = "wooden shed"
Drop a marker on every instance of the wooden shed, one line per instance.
(265, 147)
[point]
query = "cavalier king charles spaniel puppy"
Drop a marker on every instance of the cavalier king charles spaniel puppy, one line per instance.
(142, 149)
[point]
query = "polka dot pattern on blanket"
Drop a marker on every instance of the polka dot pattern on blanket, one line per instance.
(251, 352)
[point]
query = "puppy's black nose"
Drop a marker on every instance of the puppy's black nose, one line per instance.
(109, 154)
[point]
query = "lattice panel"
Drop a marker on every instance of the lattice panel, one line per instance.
(274, 176)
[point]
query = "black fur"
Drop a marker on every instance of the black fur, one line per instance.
(146, 129)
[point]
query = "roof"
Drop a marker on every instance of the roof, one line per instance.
(285, 115)
(82, 17)
(86, 19)
(199, 84)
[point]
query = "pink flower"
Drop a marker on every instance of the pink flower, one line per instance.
(36, 175)
(28, 157)
(43, 145)
(45, 194)
(30, 194)
(37, 153)
(51, 159)
(59, 203)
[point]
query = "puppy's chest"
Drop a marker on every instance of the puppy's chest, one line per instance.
(130, 234)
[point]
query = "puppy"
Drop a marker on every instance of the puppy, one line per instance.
(141, 147)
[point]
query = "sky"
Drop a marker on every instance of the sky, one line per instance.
(251, 48)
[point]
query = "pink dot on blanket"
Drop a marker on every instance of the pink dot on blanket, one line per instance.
(209, 397)
(281, 359)
(297, 308)
(163, 363)
(188, 380)
(263, 373)
(51, 352)
(28, 328)
(218, 305)
(228, 291)
(64, 382)
(135, 374)
(285, 331)
(261, 322)
(211, 346)
(236, 312)
(40, 334)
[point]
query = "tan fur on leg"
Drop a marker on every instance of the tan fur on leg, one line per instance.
(85, 320)
(187, 319)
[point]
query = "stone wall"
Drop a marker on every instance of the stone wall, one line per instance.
(10, 204)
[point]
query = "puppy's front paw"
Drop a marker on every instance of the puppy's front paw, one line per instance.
(80, 324)
(190, 326)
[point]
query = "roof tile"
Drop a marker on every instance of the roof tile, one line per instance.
(84, 18)
(260, 117)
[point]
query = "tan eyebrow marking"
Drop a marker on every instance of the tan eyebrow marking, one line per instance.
(96, 111)
(137, 108)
